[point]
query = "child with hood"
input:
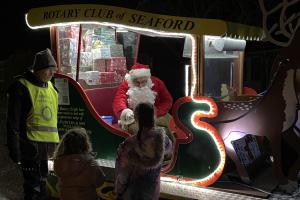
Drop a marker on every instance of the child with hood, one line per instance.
(78, 172)
(140, 157)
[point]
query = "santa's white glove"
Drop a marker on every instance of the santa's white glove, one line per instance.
(127, 117)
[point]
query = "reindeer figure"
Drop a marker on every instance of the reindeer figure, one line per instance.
(274, 115)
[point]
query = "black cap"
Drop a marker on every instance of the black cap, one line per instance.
(43, 60)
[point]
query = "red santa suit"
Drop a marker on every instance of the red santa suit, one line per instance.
(128, 95)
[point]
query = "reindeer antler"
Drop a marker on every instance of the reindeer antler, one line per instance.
(287, 26)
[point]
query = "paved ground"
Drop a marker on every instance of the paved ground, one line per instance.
(11, 186)
(10, 177)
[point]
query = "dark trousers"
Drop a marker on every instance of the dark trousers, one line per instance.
(35, 173)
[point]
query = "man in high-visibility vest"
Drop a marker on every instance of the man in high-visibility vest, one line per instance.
(32, 123)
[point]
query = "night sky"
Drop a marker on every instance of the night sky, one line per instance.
(16, 35)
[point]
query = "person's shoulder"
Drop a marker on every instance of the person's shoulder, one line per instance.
(128, 142)
(16, 87)
(53, 85)
(159, 130)
(156, 80)
(90, 159)
(123, 85)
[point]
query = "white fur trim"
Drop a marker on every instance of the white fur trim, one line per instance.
(127, 77)
(137, 95)
(137, 73)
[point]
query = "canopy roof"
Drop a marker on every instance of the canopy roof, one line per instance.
(94, 13)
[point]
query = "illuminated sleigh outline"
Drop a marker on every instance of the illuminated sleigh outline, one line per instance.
(105, 138)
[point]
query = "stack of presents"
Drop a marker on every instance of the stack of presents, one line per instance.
(102, 60)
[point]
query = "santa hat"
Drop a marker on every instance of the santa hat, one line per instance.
(139, 70)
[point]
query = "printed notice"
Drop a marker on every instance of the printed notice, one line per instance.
(70, 117)
(62, 86)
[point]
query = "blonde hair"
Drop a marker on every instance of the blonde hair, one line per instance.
(75, 141)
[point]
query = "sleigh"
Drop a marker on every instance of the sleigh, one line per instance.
(96, 47)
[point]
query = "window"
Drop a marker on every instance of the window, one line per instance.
(105, 53)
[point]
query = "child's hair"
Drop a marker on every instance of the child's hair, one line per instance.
(144, 114)
(75, 141)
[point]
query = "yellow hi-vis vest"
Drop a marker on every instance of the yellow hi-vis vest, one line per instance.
(41, 123)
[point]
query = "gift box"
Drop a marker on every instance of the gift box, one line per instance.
(116, 61)
(85, 69)
(111, 68)
(120, 77)
(108, 77)
(99, 65)
(116, 50)
(68, 44)
(90, 77)
(87, 40)
(116, 64)
(68, 53)
(66, 69)
(86, 60)
(122, 72)
(68, 58)
(103, 52)
(72, 31)
(105, 35)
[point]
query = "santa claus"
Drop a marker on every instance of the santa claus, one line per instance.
(140, 87)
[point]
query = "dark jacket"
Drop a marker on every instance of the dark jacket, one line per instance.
(138, 165)
(79, 176)
(19, 105)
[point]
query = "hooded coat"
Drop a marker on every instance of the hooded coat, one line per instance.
(79, 176)
(138, 165)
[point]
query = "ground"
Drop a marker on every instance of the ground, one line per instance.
(11, 185)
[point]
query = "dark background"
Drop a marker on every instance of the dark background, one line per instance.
(16, 35)
(17, 38)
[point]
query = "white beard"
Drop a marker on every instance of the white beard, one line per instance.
(138, 95)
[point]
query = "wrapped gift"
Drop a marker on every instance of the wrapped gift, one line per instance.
(116, 61)
(120, 77)
(122, 72)
(68, 53)
(92, 77)
(111, 68)
(68, 44)
(66, 69)
(72, 31)
(108, 77)
(99, 65)
(103, 52)
(83, 75)
(116, 50)
(86, 60)
(68, 58)
(85, 69)
(105, 35)
(116, 64)
(87, 40)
